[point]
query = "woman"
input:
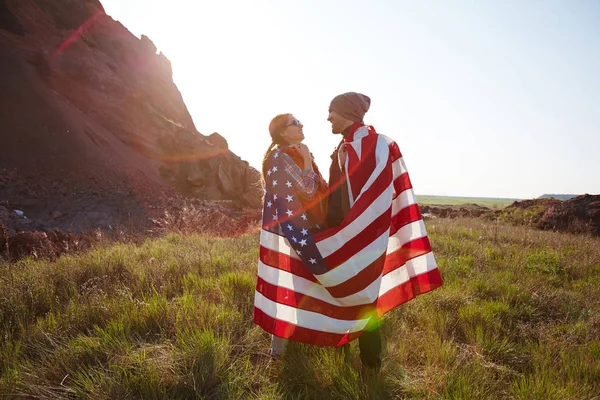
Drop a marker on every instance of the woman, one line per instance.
(301, 173)
(287, 135)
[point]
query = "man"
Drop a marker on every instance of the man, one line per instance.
(346, 113)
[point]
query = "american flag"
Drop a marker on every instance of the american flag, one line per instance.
(326, 288)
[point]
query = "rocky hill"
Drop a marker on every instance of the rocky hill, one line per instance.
(579, 215)
(93, 131)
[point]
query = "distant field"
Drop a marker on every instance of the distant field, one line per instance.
(451, 201)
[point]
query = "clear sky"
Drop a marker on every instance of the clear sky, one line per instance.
(484, 97)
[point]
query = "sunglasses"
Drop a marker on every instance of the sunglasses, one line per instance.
(294, 122)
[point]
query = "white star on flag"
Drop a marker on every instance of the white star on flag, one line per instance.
(294, 240)
(304, 232)
(275, 169)
(291, 228)
(288, 184)
(304, 217)
(289, 213)
(276, 154)
(312, 261)
(269, 173)
(275, 217)
(298, 252)
(269, 204)
(274, 182)
(303, 242)
(289, 198)
(274, 197)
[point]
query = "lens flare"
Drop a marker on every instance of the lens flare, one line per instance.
(78, 32)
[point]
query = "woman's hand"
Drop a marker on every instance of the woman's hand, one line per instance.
(306, 155)
(303, 150)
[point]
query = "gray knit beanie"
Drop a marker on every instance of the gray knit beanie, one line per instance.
(351, 105)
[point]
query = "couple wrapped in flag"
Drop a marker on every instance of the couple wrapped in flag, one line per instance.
(335, 258)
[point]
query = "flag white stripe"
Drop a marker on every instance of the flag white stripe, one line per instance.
(360, 133)
(331, 244)
(366, 296)
(403, 200)
(357, 145)
(398, 168)
(277, 243)
(298, 284)
(407, 233)
(307, 319)
(413, 268)
(420, 265)
(287, 280)
(348, 186)
(354, 265)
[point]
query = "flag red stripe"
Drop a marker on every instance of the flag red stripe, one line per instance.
(408, 251)
(300, 334)
(402, 183)
(404, 217)
(360, 241)
(409, 290)
(395, 152)
(305, 302)
(285, 263)
(359, 281)
(367, 163)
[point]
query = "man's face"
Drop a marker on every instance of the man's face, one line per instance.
(338, 123)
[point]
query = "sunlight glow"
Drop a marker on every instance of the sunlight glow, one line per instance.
(469, 111)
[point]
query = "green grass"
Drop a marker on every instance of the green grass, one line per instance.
(529, 216)
(454, 201)
(517, 318)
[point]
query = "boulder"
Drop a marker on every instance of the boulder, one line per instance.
(34, 244)
(253, 199)
(218, 140)
(226, 179)
(197, 178)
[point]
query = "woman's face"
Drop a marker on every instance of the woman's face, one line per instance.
(293, 131)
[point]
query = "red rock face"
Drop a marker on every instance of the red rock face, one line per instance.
(94, 131)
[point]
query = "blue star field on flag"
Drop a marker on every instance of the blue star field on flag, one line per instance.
(283, 215)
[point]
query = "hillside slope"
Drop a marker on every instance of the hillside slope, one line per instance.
(94, 131)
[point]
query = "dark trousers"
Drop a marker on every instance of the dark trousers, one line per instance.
(369, 344)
